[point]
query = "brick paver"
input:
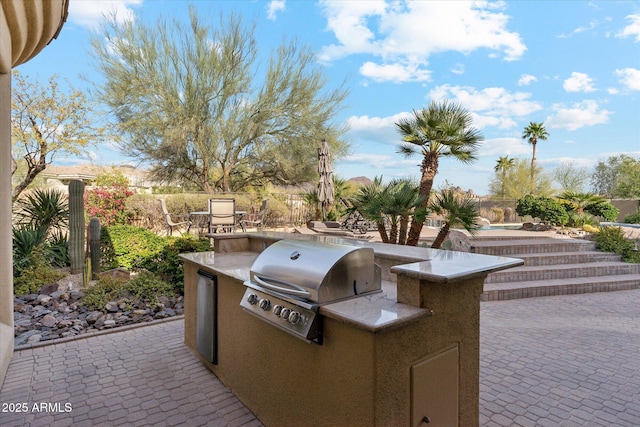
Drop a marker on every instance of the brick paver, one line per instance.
(571, 360)
(565, 360)
(139, 377)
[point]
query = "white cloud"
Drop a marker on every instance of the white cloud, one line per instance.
(458, 69)
(579, 82)
(632, 29)
(409, 32)
(376, 129)
(89, 13)
(504, 147)
(493, 106)
(526, 80)
(397, 73)
(274, 7)
(630, 77)
(581, 114)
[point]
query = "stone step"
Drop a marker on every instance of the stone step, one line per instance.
(582, 285)
(538, 246)
(556, 258)
(546, 273)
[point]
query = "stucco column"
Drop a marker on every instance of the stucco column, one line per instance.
(6, 256)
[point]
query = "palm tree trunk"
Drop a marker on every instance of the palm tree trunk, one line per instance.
(383, 232)
(393, 233)
(429, 170)
(533, 167)
(442, 235)
(402, 234)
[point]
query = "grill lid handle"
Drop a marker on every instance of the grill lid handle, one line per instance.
(288, 288)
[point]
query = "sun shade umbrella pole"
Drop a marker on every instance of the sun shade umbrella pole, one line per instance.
(325, 185)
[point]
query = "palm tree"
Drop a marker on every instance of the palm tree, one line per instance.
(457, 211)
(398, 202)
(504, 163)
(366, 201)
(442, 129)
(534, 132)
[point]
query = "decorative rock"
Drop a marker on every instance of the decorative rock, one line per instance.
(48, 289)
(111, 307)
(93, 317)
(52, 314)
(76, 295)
(49, 321)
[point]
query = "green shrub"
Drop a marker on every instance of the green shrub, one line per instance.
(612, 239)
(634, 218)
(106, 289)
(146, 287)
(36, 274)
(547, 209)
(603, 209)
(128, 246)
(167, 264)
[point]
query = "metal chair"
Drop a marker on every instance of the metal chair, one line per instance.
(255, 219)
(222, 214)
(169, 222)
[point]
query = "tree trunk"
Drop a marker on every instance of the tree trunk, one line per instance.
(402, 234)
(442, 235)
(393, 233)
(429, 169)
(533, 167)
(383, 232)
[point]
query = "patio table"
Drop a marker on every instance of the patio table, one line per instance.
(204, 217)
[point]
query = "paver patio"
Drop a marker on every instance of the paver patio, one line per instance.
(570, 360)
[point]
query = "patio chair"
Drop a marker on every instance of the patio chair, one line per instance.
(255, 219)
(169, 222)
(222, 214)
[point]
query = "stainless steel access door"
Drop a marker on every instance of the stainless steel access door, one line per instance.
(207, 316)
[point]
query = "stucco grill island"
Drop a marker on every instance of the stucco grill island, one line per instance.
(398, 328)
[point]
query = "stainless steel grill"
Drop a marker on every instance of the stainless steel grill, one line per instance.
(291, 279)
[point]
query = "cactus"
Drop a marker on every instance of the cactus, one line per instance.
(94, 246)
(76, 226)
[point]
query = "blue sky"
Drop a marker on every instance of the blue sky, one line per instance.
(574, 65)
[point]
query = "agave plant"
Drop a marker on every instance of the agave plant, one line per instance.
(43, 208)
(41, 216)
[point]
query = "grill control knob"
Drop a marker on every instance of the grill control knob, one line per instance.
(252, 299)
(277, 309)
(265, 304)
(285, 313)
(295, 317)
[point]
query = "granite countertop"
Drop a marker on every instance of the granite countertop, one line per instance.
(374, 312)
(377, 311)
(440, 266)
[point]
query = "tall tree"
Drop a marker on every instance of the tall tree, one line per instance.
(518, 181)
(197, 105)
(532, 133)
(571, 177)
(47, 121)
(441, 130)
(503, 164)
(617, 176)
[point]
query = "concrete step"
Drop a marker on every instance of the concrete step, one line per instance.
(555, 258)
(546, 273)
(581, 285)
(538, 246)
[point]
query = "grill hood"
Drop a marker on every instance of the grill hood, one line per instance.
(317, 272)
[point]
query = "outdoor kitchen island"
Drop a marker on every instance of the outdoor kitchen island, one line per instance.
(405, 356)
